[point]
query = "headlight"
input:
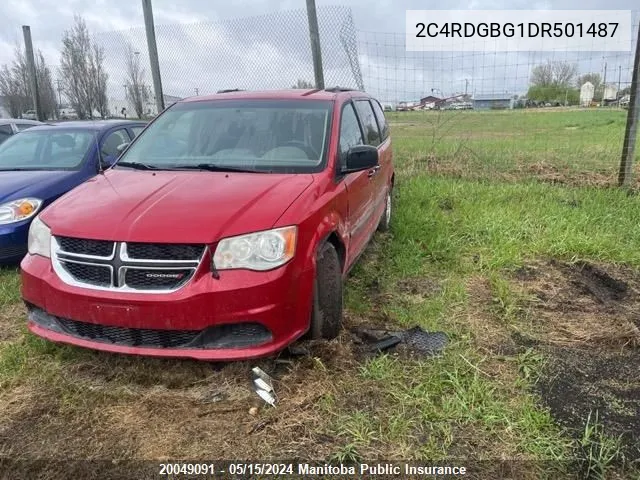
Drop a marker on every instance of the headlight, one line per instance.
(17, 210)
(257, 251)
(39, 242)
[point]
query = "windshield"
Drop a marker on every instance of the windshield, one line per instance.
(45, 150)
(255, 135)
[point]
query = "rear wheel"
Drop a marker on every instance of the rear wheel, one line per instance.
(326, 315)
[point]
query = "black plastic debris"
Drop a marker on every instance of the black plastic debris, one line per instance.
(425, 343)
(386, 343)
(414, 340)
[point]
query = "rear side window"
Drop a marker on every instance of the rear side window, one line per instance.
(369, 123)
(136, 131)
(382, 122)
(350, 134)
(23, 126)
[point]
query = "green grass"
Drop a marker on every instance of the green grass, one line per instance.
(9, 286)
(526, 143)
(452, 225)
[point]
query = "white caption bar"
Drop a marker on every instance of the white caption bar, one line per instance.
(518, 30)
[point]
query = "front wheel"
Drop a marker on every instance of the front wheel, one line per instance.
(326, 316)
(385, 221)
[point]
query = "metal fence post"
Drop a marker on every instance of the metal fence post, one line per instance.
(314, 33)
(153, 53)
(625, 175)
(31, 64)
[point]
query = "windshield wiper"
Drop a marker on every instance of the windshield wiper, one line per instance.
(211, 167)
(17, 169)
(137, 165)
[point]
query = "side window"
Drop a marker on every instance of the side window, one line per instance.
(23, 126)
(136, 131)
(114, 139)
(350, 134)
(382, 122)
(5, 132)
(369, 124)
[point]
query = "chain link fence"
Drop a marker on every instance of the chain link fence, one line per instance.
(556, 115)
(263, 52)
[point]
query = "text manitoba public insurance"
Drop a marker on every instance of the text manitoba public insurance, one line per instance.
(379, 469)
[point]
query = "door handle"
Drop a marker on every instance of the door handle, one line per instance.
(374, 171)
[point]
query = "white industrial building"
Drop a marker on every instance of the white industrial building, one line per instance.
(587, 90)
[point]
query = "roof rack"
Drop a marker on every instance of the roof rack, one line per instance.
(339, 89)
(229, 90)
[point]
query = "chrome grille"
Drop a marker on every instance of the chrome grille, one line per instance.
(121, 266)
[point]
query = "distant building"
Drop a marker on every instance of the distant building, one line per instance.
(610, 92)
(586, 94)
(404, 106)
(446, 103)
(116, 106)
(499, 101)
(429, 101)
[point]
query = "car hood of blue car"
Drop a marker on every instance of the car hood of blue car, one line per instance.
(42, 184)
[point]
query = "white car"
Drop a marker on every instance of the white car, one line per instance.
(68, 114)
(30, 115)
(11, 126)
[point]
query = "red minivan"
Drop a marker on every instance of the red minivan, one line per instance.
(224, 231)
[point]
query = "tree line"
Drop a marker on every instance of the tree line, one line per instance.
(82, 79)
(559, 83)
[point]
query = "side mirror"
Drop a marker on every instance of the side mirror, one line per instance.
(361, 157)
(121, 147)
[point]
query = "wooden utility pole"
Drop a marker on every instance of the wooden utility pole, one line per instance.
(31, 65)
(314, 34)
(153, 53)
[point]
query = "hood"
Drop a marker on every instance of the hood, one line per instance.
(173, 207)
(35, 183)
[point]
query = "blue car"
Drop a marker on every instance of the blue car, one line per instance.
(42, 163)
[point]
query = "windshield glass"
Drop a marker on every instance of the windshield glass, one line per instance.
(255, 135)
(45, 150)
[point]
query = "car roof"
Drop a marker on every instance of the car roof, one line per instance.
(4, 121)
(290, 94)
(92, 125)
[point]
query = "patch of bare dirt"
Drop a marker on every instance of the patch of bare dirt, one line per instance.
(585, 318)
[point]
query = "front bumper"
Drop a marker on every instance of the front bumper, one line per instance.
(13, 242)
(276, 304)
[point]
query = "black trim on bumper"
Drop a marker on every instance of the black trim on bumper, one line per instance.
(233, 335)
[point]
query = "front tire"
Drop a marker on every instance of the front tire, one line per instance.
(326, 315)
(385, 221)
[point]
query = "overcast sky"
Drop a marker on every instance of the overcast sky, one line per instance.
(227, 49)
